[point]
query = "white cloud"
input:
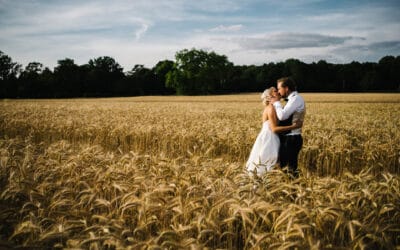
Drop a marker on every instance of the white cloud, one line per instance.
(223, 28)
(139, 33)
(144, 32)
(289, 40)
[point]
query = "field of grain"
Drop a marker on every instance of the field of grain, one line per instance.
(168, 173)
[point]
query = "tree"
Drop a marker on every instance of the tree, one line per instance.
(28, 80)
(67, 78)
(369, 81)
(9, 72)
(194, 72)
(103, 73)
(350, 76)
(160, 70)
(234, 82)
(322, 78)
(140, 80)
(198, 72)
(8, 68)
(295, 68)
(396, 74)
(248, 79)
(387, 70)
(46, 83)
(273, 72)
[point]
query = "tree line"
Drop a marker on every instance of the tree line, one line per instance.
(194, 72)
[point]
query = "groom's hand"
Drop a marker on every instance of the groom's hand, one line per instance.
(298, 123)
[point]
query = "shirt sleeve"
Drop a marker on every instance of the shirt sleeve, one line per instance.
(287, 111)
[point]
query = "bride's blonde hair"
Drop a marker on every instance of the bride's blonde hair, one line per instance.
(266, 95)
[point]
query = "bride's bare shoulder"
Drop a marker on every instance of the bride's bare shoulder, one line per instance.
(270, 111)
(269, 108)
(266, 109)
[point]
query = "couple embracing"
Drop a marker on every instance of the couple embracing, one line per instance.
(279, 140)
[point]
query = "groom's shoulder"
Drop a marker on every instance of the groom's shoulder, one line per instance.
(299, 96)
(300, 99)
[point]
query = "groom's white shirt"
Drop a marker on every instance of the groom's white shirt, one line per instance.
(296, 106)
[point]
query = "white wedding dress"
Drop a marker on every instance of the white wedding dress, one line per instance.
(264, 154)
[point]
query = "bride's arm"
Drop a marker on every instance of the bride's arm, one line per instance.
(274, 122)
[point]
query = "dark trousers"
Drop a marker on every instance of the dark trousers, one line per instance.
(289, 151)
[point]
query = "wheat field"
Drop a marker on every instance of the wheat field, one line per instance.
(163, 172)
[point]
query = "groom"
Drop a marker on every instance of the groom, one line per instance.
(294, 110)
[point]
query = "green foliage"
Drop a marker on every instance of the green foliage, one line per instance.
(198, 72)
(194, 72)
(105, 64)
(102, 73)
(69, 80)
(9, 71)
(8, 68)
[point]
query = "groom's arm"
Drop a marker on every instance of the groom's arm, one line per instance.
(287, 111)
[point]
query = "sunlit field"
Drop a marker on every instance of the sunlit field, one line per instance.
(168, 173)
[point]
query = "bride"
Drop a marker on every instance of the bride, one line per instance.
(264, 153)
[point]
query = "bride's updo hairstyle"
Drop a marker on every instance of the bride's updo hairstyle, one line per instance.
(266, 95)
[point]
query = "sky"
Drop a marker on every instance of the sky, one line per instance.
(248, 32)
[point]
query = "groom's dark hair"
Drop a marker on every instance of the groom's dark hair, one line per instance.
(288, 82)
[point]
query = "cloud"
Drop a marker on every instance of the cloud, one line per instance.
(144, 26)
(88, 20)
(223, 28)
(366, 52)
(386, 45)
(281, 41)
(248, 32)
(305, 47)
(213, 6)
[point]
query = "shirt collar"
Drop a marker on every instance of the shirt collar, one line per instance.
(294, 93)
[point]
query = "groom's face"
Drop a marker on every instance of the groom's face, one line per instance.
(283, 91)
